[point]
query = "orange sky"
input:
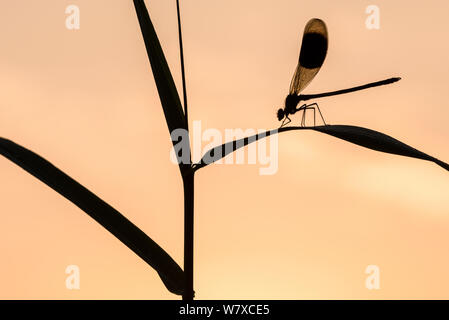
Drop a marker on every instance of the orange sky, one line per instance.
(86, 101)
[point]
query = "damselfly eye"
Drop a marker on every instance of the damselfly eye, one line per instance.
(280, 114)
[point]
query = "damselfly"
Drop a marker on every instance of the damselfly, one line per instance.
(312, 54)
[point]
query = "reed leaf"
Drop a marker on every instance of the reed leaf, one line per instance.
(168, 94)
(361, 136)
(112, 220)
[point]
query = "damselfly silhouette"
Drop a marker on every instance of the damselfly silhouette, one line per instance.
(313, 52)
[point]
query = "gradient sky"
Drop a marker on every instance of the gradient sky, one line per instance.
(86, 101)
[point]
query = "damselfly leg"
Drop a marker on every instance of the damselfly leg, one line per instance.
(303, 118)
(284, 121)
(312, 106)
(321, 115)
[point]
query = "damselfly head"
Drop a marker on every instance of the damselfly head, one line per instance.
(280, 114)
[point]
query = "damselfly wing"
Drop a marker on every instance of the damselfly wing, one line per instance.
(312, 55)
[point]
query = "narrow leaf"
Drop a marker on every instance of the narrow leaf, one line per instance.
(168, 94)
(376, 141)
(223, 150)
(112, 220)
(361, 136)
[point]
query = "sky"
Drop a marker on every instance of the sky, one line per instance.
(85, 100)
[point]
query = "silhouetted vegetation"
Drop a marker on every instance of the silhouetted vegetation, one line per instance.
(175, 279)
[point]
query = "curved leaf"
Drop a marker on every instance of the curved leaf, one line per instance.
(361, 136)
(112, 220)
(376, 141)
(168, 94)
(223, 150)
